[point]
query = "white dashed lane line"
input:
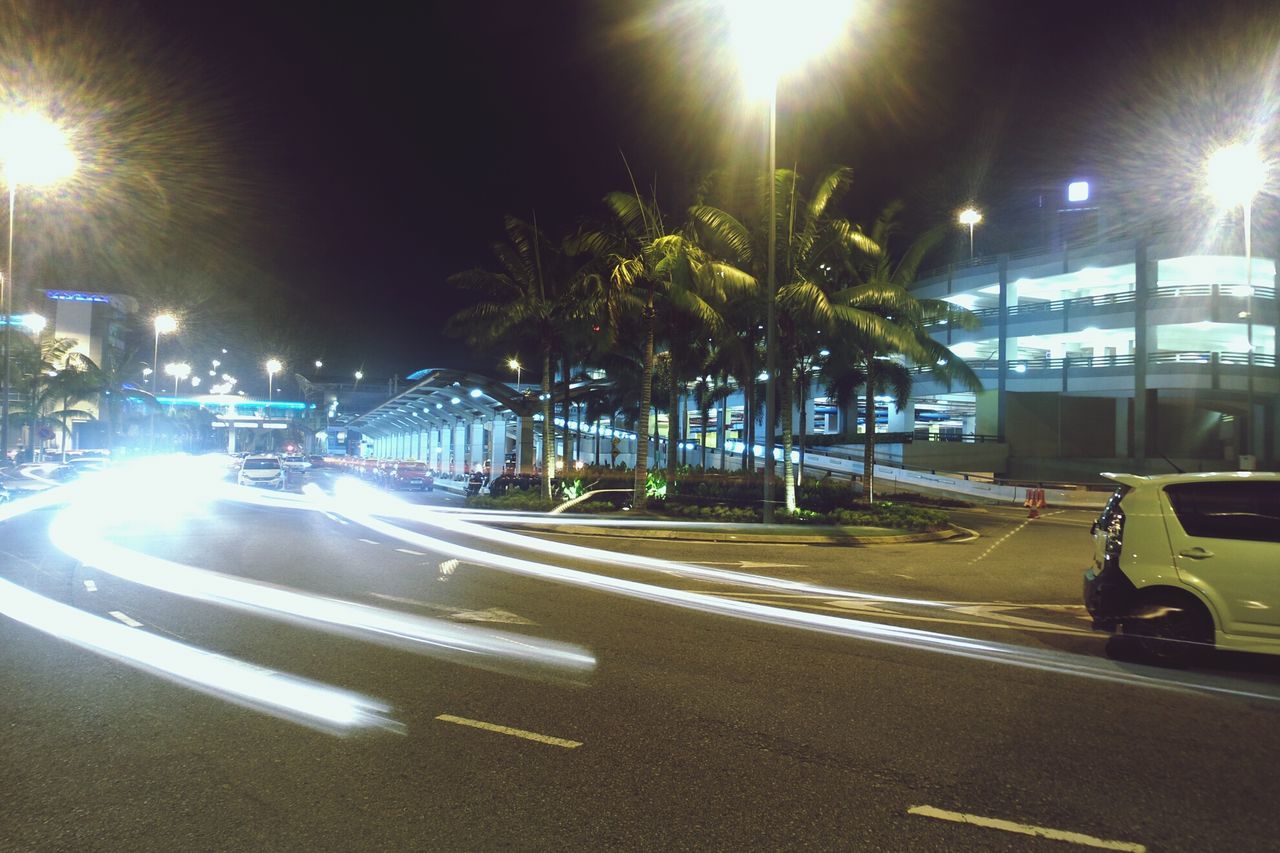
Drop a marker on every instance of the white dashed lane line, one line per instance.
(411, 551)
(91, 586)
(368, 542)
(125, 618)
(996, 544)
(507, 730)
(1027, 829)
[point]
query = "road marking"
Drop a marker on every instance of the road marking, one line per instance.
(411, 551)
(1027, 829)
(493, 614)
(125, 618)
(747, 564)
(91, 586)
(993, 611)
(996, 544)
(369, 541)
(507, 730)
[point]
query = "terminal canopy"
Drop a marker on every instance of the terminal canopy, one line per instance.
(442, 396)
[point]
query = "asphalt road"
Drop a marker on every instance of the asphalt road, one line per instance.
(696, 713)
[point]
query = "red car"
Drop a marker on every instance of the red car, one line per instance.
(411, 475)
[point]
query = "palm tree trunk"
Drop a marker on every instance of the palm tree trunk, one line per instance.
(786, 379)
(720, 445)
(869, 454)
(749, 425)
(66, 430)
(803, 389)
(673, 432)
(568, 407)
(548, 426)
(646, 397)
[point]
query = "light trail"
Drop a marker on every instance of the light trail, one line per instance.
(289, 697)
(352, 494)
(1059, 663)
(78, 532)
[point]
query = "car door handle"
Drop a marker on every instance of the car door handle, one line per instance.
(1196, 553)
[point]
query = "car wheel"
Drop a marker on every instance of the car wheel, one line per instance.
(1170, 630)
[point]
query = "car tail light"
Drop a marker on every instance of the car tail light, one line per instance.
(1113, 532)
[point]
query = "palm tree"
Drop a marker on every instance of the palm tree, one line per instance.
(650, 268)
(812, 244)
(881, 289)
(49, 372)
(523, 304)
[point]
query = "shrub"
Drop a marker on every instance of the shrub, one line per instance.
(516, 500)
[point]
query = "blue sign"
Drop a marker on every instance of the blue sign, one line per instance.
(77, 296)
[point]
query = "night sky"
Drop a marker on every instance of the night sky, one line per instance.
(370, 150)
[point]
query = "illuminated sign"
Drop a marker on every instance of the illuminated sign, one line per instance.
(1078, 191)
(77, 296)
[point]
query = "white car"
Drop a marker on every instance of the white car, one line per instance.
(1187, 562)
(297, 463)
(262, 470)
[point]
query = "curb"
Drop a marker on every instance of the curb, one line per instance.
(834, 537)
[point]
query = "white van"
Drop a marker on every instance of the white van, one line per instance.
(1187, 562)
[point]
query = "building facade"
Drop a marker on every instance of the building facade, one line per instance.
(1131, 355)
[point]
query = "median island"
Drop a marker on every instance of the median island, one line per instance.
(824, 508)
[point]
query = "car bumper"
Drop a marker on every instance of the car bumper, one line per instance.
(264, 484)
(1108, 596)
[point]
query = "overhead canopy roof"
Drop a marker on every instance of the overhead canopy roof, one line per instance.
(441, 396)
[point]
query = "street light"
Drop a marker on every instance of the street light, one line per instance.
(165, 324)
(971, 217)
(36, 152)
(273, 367)
(319, 364)
(514, 364)
(359, 376)
(772, 39)
(179, 371)
(1235, 174)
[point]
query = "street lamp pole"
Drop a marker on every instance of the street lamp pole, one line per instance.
(35, 151)
(971, 217)
(771, 320)
(164, 324)
(1236, 173)
(1248, 328)
(7, 284)
(273, 367)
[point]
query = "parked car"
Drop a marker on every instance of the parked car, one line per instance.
(4, 494)
(411, 475)
(262, 470)
(297, 462)
(1183, 563)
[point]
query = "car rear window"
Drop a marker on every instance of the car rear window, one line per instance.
(1228, 510)
(261, 464)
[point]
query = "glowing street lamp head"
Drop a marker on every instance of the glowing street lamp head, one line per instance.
(1235, 174)
(774, 37)
(179, 370)
(165, 324)
(35, 150)
(33, 323)
(513, 363)
(359, 375)
(970, 216)
(274, 365)
(319, 364)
